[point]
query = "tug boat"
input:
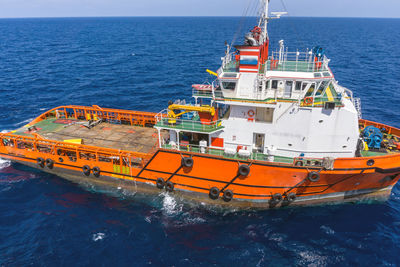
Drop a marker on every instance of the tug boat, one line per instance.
(273, 129)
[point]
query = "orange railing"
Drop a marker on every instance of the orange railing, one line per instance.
(38, 147)
(96, 112)
(390, 130)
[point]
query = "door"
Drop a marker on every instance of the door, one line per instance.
(258, 142)
(288, 89)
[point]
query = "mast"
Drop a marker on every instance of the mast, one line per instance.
(265, 19)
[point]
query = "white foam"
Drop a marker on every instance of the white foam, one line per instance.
(4, 163)
(5, 131)
(169, 205)
(24, 122)
(98, 237)
(133, 54)
(327, 230)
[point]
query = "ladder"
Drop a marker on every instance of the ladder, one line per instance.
(259, 85)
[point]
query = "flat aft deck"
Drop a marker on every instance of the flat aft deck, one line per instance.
(116, 136)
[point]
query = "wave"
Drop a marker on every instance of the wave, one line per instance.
(4, 163)
(98, 236)
(170, 206)
(24, 122)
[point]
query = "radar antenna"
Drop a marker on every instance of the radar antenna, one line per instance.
(265, 17)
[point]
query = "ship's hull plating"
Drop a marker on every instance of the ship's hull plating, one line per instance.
(359, 182)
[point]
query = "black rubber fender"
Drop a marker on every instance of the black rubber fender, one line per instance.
(187, 162)
(49, 163)
(40, 162)
(313, 177)
(244, 170)
(160, 183)
(169, 186)
(86, 170)
(214, 193)
(227, 196)
(276, 198)
(291, 197)
(96, 171)
(299, 163)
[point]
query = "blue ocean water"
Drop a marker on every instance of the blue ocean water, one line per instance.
(141, 64)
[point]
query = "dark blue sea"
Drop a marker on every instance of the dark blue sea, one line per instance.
(141, 64)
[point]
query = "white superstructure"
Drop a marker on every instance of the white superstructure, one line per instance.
(273, 104)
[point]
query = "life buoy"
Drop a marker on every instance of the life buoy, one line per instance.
(96, 171)
(308, 100)
(251, 113)
(214, 193)
(228, 195)
(49, 163)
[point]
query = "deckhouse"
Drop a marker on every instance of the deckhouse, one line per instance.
(267, 105)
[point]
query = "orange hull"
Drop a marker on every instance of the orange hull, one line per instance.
(351, 179)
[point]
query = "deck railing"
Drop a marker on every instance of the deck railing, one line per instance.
(207, 93)
(97, 113)
(62, 151)
(296, 62)
(184, 147)
(189, 125)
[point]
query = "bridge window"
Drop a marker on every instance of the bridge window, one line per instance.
(298, 86)
(310, 91)
(274, 84)
(229, 85)
(321, 88)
